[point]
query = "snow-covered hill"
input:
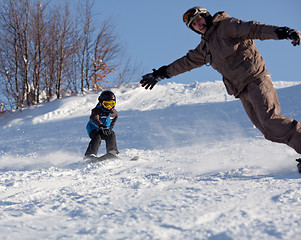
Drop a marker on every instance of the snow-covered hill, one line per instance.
(204, 172)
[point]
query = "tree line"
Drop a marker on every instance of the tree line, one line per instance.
(49, 52)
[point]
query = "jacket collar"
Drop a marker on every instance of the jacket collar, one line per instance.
(104, 110)
(217, 18)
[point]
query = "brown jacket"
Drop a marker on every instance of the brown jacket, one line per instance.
(228, 47)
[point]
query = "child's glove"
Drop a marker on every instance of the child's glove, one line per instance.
(106, 131)
(288, 33)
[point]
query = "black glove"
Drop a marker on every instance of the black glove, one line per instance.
(150, 80)
(106, 131)
(288, 33)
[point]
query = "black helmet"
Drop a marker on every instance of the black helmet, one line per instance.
(106, 96)
(192, 13)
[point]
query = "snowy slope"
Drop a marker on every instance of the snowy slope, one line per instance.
(204, 171)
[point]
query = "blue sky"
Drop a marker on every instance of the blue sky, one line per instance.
(153, 33)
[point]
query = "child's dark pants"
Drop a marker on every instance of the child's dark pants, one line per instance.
(96, 137)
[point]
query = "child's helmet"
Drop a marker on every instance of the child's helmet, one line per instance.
(106, 96)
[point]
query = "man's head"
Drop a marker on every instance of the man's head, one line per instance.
(198, 19)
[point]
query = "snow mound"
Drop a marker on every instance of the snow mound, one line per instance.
(204, 171)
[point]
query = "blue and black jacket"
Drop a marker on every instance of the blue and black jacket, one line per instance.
(101, 117)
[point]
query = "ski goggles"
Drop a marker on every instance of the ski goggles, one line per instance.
(108, 104)
(190, 15)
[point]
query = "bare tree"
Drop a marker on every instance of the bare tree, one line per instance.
(99, 48)
(47, 52)
(14, 49)
(106, 50)
(61, 50)
(85, 31)
(38, 44)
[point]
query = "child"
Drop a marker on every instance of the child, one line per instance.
(100, 127)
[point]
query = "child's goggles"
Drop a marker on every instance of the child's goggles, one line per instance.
(108, 104)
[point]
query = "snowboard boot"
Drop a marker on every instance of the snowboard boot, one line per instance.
(90, 157)
(109, 155)
(299, 164)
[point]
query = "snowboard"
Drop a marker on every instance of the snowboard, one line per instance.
(107, 157)
(299, 164)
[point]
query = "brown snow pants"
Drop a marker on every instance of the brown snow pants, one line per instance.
(261, 103)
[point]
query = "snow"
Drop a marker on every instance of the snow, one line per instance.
(204, 171)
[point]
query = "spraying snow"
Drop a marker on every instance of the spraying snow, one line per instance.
(204, 171)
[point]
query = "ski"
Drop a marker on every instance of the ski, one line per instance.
(299, 164)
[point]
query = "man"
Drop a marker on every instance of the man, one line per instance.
(228, 47)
